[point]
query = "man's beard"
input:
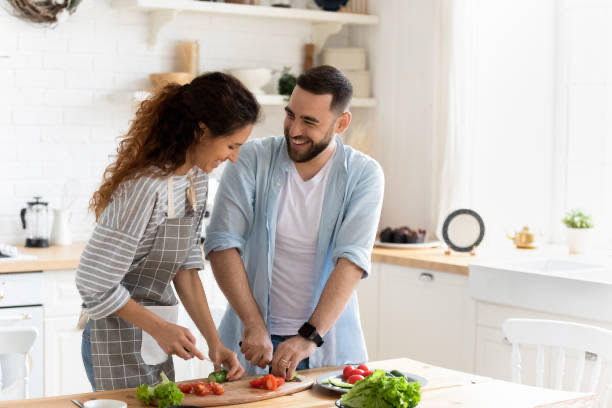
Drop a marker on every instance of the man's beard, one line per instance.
(315, 149)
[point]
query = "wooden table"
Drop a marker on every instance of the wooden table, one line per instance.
(445, 388)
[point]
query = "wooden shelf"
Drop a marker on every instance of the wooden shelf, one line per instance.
(228, 9)
(325, 23)
(277, 100)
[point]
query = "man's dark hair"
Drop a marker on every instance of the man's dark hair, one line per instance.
(326, 79)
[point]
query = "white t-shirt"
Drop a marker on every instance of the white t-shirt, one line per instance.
(297, 231)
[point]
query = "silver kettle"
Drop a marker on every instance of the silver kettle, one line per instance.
(35, 220)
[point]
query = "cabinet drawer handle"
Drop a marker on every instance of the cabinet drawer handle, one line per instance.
(426, 277)
(23, 316)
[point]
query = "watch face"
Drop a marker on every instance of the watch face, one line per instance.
(306, 330)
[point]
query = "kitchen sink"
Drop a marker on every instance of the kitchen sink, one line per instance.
(556, 267)
(571, 287)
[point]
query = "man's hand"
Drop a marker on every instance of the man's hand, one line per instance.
(257, 346)
(289, 354)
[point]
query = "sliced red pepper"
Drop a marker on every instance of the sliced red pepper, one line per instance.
(257, 383)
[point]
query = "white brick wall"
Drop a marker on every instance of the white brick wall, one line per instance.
(66, 92)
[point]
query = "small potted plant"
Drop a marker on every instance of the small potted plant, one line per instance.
(579, 230)
(286, 82)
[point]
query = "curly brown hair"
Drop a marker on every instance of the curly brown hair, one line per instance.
(168, 124)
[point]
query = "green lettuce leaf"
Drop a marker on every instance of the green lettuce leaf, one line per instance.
(380, 391)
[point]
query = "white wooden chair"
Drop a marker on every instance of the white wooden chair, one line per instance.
(16, 340)
(587, 340)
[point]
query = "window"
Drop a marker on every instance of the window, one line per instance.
(531, 114)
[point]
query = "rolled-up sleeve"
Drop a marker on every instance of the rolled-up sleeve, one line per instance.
(110, 252)
(358, 230)
(233, 211)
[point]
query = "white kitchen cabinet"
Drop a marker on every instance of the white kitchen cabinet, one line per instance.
(421, 314)
(368, 298)
(64, 371)
(194, 368)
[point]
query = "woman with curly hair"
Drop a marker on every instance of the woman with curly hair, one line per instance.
(149, 211)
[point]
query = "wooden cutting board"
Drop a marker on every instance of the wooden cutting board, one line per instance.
(240, 392)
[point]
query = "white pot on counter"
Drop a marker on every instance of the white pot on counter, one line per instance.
(579, 240)
(60, 232)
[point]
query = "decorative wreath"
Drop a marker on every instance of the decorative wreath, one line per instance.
(44, 11)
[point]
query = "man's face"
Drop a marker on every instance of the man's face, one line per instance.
(309, 124)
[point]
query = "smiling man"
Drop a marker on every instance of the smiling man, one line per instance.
(291, 235)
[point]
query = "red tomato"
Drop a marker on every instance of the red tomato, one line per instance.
(270, 382)
(363, 367)
(347, 370)
(280, 381)
(257, 383)
(354, 378)
(201, 389)
(368, 373)
(185, 388)
(217, 388)
(356, 371)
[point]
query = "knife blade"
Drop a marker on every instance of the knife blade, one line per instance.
(78, 403)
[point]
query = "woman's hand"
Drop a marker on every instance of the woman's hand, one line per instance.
(178, 340)
(221, 355)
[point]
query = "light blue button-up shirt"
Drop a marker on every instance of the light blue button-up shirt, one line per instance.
(244, 217)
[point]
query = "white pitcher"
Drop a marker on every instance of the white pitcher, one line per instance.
(60, 232)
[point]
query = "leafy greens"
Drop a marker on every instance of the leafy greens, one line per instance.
(166, 393)
(379, 391)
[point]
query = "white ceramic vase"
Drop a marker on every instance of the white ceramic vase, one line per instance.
(60, 232)
(579, 240)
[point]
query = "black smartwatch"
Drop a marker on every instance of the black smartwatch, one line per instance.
(308, 331)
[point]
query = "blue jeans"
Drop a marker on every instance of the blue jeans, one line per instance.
(86, 355)
(276, 340)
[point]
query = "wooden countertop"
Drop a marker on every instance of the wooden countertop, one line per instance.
(58, 257)
(430, 258)
(445, 388)
(67, 257)
(47, 259)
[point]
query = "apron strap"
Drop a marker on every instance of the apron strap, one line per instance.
(170, 197)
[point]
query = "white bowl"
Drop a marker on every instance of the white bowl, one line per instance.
(105, 403)
(253, 78)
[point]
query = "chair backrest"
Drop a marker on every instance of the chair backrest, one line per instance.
(564, 336)
(16, 340)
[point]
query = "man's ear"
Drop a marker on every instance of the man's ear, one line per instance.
(342, 122)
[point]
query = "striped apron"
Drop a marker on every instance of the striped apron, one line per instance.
(116, 343)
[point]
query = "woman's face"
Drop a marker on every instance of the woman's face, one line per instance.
(212, 151)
